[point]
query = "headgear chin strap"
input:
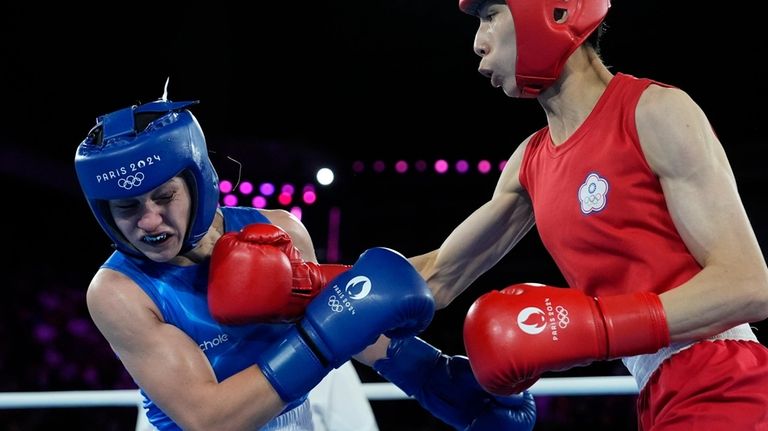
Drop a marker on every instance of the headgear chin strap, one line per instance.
(547, 33)
(126, 162)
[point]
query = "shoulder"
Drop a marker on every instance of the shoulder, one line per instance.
(115, 301)
(672, 128)
(285, 220)
(660, 104)
(509, 181)
(295, 228)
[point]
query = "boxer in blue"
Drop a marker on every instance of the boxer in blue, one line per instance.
(145, 173)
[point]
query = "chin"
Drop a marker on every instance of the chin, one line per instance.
(161, 255)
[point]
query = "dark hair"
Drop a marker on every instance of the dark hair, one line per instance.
(594, 39)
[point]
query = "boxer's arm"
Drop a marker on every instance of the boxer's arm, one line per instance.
(170, 367)
(302, 241)
(299, 234)
(703, 200)
(482, 239)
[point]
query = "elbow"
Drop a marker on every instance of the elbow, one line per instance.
(200, 420)
(196, 419)
(757, 298)
(207, 425)
(761, 301)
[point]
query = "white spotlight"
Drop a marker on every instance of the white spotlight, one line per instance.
(324, 176)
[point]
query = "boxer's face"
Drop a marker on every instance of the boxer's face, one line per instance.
(155, 222)
(496, 44)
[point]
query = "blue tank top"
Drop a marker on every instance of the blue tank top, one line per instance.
(180, 292)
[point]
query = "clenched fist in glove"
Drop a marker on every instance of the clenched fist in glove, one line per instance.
(514, 335)
(445, 386)
(381, 294)
(257, 275)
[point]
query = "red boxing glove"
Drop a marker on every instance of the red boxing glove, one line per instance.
(514, 335)
(257, 275)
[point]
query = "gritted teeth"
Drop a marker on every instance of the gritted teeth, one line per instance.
(154, 239)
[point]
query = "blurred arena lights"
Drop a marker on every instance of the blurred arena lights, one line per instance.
(285, 198)
(483, 166)
(287, 188)
(308, 195)
(246, 187)
(324, 176)
(267, 189)
(225, 186)
(230, 200)
(259, 202)
(358, 166)
(462, 166)
(439, 166)
(401, 166)
(266, 194)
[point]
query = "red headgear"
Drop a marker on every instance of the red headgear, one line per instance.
(548, 31)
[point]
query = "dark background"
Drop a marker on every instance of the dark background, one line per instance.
(286, 88)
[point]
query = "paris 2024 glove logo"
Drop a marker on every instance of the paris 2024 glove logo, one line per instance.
(356, 288)
(534, 320)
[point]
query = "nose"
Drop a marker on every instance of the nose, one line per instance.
(150, 219)
(480, 46)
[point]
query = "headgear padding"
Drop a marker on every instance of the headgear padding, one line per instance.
(547, 33)
(116, 161)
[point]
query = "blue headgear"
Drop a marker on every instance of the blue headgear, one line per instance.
(116, 161)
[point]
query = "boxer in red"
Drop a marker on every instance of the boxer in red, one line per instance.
(634, 198)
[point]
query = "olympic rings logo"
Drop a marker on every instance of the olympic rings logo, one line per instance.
(593, 199)
(131, 181)
(335, 304)
(562, 317)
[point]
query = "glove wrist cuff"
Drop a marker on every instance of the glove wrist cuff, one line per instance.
(635, 324)
(280, 364)
(322, 274)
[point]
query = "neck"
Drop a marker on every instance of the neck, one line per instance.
(571, 99)
(204, 248)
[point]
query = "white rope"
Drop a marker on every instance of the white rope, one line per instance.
(558, 386)
(575, 386)
(29, 400)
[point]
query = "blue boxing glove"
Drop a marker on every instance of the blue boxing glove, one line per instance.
(445, 386)
(381, 294)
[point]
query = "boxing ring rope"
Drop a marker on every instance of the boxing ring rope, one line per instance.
(556, 386)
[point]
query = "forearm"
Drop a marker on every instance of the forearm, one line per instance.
(476, 245)
(713, 301)
(245, 400)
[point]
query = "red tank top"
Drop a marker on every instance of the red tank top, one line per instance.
(599, 208)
